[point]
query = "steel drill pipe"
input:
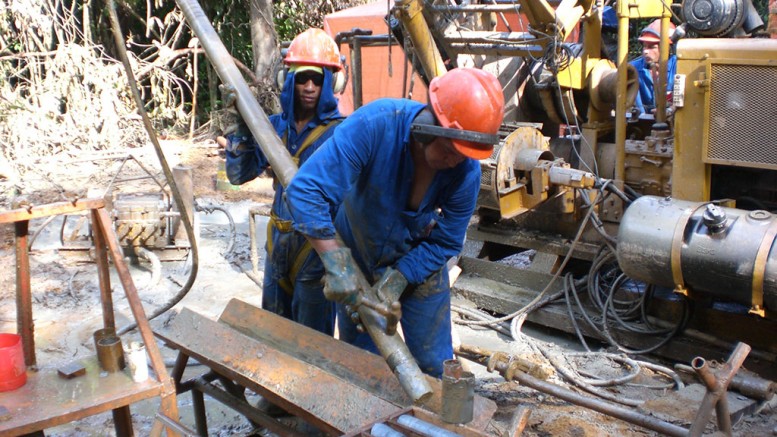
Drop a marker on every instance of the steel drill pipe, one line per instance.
(603, 407)
(391, 347)
(752, 386)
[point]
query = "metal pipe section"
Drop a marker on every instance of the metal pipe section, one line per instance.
(601, 406)
(526, 49)
(477, 8)
(725, 252)
(356, 72)
(391, 347)
(410, 13)
(750, 385)
(24, 322)
(505, 365)
(383, 430)
(424, 428)
(458, 393)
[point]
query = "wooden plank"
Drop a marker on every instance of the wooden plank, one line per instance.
(48, 400)
(529, 239)
(329, 403)
(33, 212)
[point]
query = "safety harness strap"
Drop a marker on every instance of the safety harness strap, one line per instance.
(285, 226)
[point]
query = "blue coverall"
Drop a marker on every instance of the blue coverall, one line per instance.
(365, 172)
(646, 100)
(292, 284)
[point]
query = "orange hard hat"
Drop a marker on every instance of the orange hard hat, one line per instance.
(652, 32)
(469, 99)
(314, 47)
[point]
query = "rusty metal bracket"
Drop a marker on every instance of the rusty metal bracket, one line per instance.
(677, 246)
(759, 269)
(717, 381)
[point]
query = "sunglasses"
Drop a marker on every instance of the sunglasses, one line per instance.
(304, 77)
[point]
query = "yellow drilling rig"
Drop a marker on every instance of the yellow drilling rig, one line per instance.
(672, 209)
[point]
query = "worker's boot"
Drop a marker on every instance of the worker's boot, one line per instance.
(270, 409)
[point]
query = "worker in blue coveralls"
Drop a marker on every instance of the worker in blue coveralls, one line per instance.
(293, 272)
(404, 180)
(647, 67)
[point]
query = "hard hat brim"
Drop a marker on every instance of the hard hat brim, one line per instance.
(473, 150)
(649, 38)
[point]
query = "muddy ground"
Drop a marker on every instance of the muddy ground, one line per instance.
(67, 309)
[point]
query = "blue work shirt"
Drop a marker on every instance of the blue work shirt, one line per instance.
(646, 100)
(243, 166)
(366, 169)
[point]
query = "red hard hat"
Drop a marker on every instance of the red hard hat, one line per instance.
(468, 99)
(314, 47)
(652, 32)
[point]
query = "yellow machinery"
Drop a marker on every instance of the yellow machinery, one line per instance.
(682, 197)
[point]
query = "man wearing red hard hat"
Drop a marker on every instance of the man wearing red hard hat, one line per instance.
(647, 67)
(403, 178)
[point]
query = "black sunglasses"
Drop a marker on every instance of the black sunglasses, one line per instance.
(304, 77)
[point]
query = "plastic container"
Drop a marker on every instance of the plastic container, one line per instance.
(13, 371)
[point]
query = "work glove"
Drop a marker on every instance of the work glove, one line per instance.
(235, 131)
(340, 283)
(228, 95)
(390, 286)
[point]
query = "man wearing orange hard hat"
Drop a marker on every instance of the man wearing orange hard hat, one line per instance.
(403, 178)
(292, 275)
(647, 67)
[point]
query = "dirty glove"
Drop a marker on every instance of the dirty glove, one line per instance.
(233, 128)
(391, 285)
(340, 283)
(228, 95)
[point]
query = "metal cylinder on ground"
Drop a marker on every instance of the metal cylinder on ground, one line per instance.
(724, 252)
(383, 430)
(424, 428)
(458, 393)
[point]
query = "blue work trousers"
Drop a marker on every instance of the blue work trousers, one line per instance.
(306, 304)
(426, 324)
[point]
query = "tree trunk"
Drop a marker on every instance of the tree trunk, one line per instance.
(264, 40)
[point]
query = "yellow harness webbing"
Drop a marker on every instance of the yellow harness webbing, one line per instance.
(284, 226)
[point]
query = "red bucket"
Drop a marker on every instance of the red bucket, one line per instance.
(13, 372)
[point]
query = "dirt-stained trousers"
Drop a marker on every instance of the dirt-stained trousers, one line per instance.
(292, 285)
(426, 324)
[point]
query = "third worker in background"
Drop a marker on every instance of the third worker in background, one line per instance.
(404, 179)
(647, 68)
(293, 272)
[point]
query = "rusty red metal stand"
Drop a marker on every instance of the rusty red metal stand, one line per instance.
(47, 400)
